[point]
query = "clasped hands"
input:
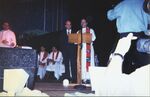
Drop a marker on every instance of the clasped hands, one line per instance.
(5, 42)
(51, 61)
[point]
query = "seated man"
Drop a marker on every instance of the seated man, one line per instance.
(55, 65)
(42, 58)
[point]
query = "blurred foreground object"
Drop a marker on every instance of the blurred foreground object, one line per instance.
(79, 94)
(15, 85)
(14, 80)
(110, 81)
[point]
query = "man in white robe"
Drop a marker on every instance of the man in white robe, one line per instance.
(55, 65)
(87, 55)
(7, 37)
(42, 58)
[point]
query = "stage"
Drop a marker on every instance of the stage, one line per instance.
(57, 89)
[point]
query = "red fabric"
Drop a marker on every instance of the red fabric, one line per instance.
(56, 55)
(88, 52)
(44, 56)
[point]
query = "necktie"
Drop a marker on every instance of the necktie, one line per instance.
(68, 32)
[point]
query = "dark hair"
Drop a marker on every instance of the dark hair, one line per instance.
(83, 18)
(88, 19)
(56, 46)
(5, 21)
(145, 6)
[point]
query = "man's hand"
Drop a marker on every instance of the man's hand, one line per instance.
(12, 44)
(5, 42)
(124, 44)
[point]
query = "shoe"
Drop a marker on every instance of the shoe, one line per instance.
(38, 78)
(83, 82)
(88, 82)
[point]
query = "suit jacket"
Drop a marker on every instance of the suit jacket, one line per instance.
(65, 46)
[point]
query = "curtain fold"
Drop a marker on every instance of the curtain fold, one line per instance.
(29, 15)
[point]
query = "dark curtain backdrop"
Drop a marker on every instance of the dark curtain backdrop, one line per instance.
(34, 15)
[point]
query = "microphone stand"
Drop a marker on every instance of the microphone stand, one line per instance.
(80, 86)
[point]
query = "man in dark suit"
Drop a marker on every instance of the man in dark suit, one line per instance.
(69, 53)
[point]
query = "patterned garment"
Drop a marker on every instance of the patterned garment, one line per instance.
(88, 52)
(44, 57)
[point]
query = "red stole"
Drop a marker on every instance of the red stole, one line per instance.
(88, 52)
(55, 56)
(44, 56)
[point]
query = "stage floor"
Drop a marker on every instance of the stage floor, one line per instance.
(57, 89)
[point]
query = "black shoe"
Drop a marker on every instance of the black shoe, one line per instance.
(83, 82)
(38, 78)
(88, 82)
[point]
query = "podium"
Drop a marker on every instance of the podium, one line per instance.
(78, 39)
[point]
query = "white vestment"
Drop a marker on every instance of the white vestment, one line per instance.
(84, 72)
(42, 68)
(57, 67)
(9, 36)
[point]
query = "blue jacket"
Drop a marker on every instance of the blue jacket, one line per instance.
(130, 16)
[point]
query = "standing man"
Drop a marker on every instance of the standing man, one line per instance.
(130, 18)
(87, 52)
(69, 53)
(7, 37)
